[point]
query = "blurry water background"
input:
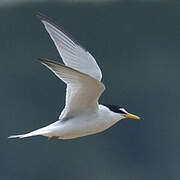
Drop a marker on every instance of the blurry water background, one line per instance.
(137, 45)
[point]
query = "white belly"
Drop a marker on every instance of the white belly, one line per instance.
(81, 126)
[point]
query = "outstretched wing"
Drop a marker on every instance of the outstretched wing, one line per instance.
(84, 89)
(73, 55)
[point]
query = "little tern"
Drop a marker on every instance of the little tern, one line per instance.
(82, 114)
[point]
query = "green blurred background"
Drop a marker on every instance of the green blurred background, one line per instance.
(137, 45)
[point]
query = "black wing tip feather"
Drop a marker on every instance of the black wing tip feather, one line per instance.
(40, 16)
(51, 63)
(43, 17)
(48, 61)
(41, 59)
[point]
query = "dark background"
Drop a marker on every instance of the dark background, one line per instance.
(137, 46)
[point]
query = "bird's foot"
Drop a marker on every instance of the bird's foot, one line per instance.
(53, 137)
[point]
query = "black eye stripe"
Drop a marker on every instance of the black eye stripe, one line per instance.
(114, 108)
(122, 112)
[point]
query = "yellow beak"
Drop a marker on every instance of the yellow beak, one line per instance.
(132, 116)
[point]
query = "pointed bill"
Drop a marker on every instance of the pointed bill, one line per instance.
(132, 116)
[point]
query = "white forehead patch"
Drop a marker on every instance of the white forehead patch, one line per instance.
(122, 109)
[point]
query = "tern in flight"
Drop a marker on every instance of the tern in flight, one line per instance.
(82, 114)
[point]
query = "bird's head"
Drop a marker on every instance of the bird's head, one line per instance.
(122, 112)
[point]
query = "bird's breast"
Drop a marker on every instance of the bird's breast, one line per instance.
(84, 125)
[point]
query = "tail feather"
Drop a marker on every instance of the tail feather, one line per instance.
(16, 136)
(37, 132)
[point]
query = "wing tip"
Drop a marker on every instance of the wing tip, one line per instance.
(45, 60)
(45, 18)
(48, 62)
(41, 59)
(41, 16)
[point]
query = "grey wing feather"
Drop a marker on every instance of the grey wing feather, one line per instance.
(83, 90)
(72, 53)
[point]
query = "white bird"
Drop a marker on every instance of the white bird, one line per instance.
(82, 114)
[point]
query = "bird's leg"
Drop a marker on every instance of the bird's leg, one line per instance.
(53, 137)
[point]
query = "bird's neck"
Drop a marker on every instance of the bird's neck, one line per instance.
(108, 114)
